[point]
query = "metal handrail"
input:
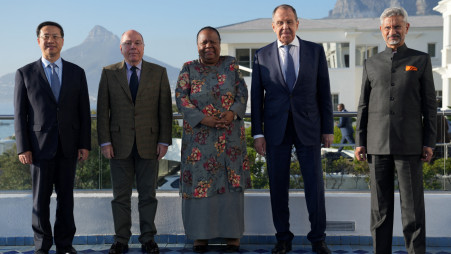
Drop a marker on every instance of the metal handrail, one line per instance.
(248, 115)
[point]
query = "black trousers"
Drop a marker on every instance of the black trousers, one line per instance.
(278, 161)
(410, 178)
(46, 173)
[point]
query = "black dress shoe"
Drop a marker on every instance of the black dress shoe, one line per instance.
(282, 247)
(41, 251)
(150, 247)
(118, 248)
(66, 250)
(200, 248)
(320, 247)
(232, 248)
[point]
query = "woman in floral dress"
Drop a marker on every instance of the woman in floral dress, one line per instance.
(212, 97)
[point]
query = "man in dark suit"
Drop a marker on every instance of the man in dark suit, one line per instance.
(396, 127)
(134, 127)
(345, 125)
(291, 105)
(53, 128)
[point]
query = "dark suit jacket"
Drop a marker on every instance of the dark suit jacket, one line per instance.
(310, 101)
(40, 121)
(397, 108)
(345, 125)
(150, 119)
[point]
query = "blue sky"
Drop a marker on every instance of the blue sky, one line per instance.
(169, 27)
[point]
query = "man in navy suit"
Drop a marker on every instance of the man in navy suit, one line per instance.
(291, 105)
(345, 125)
(53, 129)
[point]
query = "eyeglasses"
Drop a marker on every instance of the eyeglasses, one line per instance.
(47, 37)
(129, 43)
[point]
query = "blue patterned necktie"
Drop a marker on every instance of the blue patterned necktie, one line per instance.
(290, 75)
(134, 83)
(55, 81)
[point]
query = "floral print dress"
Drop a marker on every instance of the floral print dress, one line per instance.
(213, 161)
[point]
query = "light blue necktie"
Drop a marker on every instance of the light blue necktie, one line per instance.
(290, 75)
(55, 81)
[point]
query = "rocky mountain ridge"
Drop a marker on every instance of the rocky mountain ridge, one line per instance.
(374, 8)
(99, 49)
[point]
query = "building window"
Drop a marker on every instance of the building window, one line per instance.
(245, 58)
(337, 54)
(431, 49)
(363, 52)
(335, 100)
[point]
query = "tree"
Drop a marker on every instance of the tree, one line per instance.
(259, 171)
(177, 130)
(94, 173)
(431, 173)
(296, 179)
(13, 174)
(361, 170)
(337, 171)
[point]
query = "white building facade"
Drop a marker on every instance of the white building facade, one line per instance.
(444, 70)
(347, 42)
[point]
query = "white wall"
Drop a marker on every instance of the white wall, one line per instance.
(344, 81)
(93, 213)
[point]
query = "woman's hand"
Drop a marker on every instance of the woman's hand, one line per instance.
(227, 116)
(214, 122)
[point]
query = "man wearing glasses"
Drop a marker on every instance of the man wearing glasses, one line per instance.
(134, 128)
(53, 129)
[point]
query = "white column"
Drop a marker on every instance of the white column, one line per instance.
(444, 7)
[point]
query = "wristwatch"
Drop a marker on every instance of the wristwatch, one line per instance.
(234, 115)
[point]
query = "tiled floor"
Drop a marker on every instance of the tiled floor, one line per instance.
(248, 249)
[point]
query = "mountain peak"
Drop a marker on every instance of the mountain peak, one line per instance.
(373, 9)
(99, 33)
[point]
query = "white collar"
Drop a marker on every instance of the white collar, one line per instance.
(295, 42)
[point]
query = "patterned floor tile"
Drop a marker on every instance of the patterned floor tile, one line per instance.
(218, 248)
(360, 251)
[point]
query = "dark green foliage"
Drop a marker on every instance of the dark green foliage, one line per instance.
(13, 174)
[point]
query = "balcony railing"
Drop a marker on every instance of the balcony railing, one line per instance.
(341, 170)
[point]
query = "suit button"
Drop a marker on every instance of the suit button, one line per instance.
(393, 70)
(392, 113)
(392, 84)
(392, 98)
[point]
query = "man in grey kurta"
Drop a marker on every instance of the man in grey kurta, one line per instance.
(396, 127)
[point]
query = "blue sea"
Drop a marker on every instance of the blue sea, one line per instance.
(6, 128)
